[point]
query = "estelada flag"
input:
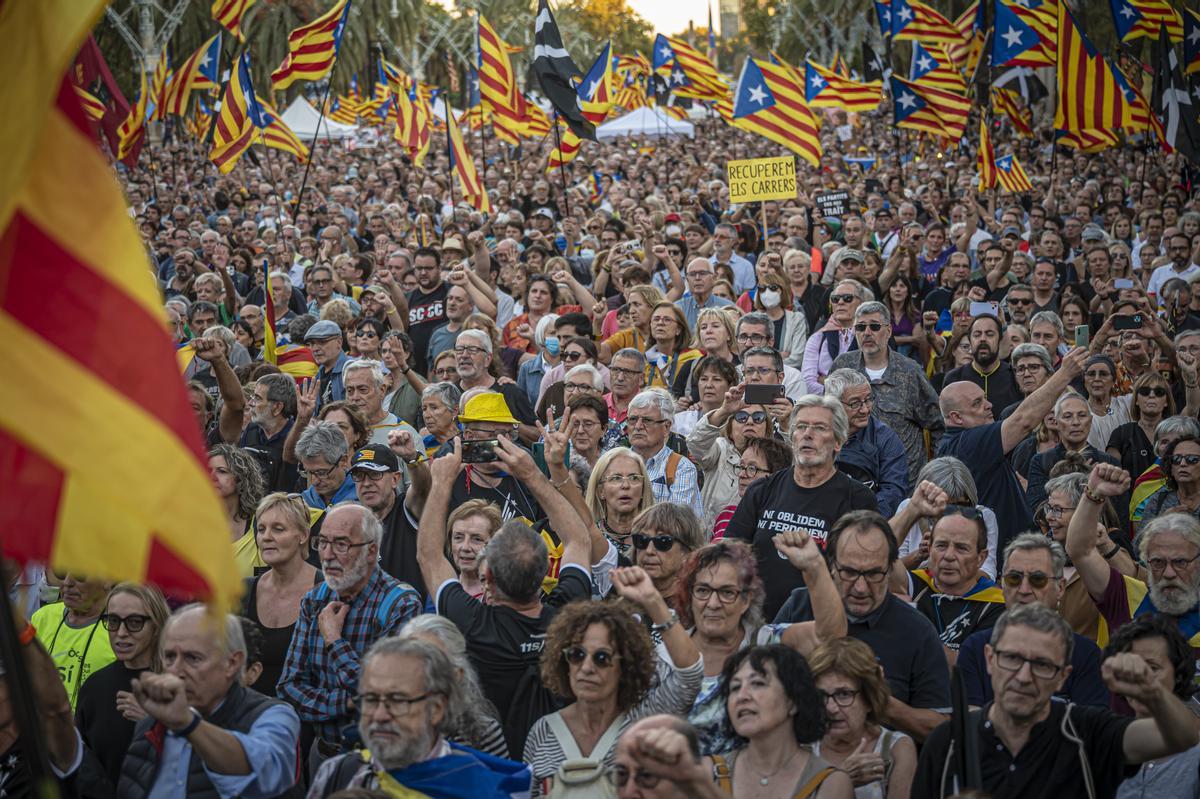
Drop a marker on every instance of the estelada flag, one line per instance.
(100, 453)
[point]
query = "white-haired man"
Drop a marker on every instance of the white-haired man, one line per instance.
(473, 359)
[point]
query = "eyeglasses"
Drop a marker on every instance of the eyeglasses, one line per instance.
(1037, 580)
(642, 421)
(1152, 391)
(858, 404)
(1029, 368)
(466, 348)
(863, 327)
(572, 357)
(394, 704)
(758, 417)
(321, 281)
(1011, 661)
(662, 543)
(487, 434)
(748, 470)
(586, 424)
(578, 387)
(656, 320)
(601, 658)
(804, 427)
(1057, 512)
(851, 575)
(842, 697)
(838, 299)
(319, 474)
(699, 275)
(616, 479)
(358, 475)
(1159, 565)
(725, 595)
(340, 546)
(133, 623)
(617, 371)
(758, 371)
(641, 779)
(752, 338)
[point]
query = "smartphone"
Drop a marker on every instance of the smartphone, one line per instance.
(1122, 283)
(985, 309)
(1128, 322)
(1083, 336)
(762, 393)
(483, 451)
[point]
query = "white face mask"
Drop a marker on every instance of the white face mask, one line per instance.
(673, 230)
(770, 299)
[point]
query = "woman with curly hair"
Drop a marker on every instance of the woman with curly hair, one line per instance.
(599, 659)
(719, 597)
(238, 479)
(772, 703)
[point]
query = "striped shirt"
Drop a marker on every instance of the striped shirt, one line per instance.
(673, 692)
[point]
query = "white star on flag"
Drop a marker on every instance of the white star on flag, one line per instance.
(818, 82)
(1128, 12)
(907, 100)
(1194, 36)
(905, 14)
(1011, 37)
(757, 95)
(924, 63)
(665, 52)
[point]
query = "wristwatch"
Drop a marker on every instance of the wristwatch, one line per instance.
(666, 625)
(192, 725)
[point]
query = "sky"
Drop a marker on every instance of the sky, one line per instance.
(671, 16)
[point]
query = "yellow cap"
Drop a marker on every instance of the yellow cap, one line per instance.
(489, 407)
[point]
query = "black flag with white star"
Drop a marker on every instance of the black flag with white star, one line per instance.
(555, 71)
(1173, 102)
(872, 64)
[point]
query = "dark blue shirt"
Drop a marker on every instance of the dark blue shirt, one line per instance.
(1083, 687)
(982, 450)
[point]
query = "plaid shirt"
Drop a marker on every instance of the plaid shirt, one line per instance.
(320, 680)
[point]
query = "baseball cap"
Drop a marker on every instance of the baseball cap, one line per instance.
(546, 212)
(322, 330)
(375, 459)
(1011, 230)
(673, 217)
(852, 255)
(1094, 233)
(488, 407)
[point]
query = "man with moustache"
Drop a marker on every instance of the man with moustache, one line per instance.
(375, 470)
(339, 620)
(409, 697)
(986, 370)
(1169, 545)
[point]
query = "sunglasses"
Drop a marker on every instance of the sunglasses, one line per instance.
(1037, 580)
(863, 327)
(602, 658)
(134, 623)
(1152, 391)
(1019, 301)
(662, 543)
(1190, 460)
(837, 299)
(758, 417)
(571, 357)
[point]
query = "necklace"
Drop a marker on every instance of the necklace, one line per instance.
(765, 779)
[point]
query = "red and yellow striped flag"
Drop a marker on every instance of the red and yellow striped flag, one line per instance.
(241, 120)
(1089, 97)
(986, 161)
(824, 88)
(1011, 175)
(158, 85)
(229, 13)
(498, 86)
(198, 72)
(463, 166)
(134, 127)
(312, 48)
(768, 101)
(279, 136)
(1009, 103)
(91, 103)
(91, 404)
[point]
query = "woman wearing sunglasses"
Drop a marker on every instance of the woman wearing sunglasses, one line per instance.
(663, 536)
(1181, 466)
(107, 712)
(716, 444)
(835, 336)
(1131, 443)
(600, 659)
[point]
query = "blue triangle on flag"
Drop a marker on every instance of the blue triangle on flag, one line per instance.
(752, 94)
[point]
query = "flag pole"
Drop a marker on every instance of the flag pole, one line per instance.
(312, 152)
(450, 151)
(562, 166)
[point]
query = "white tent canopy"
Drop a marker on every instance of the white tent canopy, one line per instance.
(645, 122)
(302, 118)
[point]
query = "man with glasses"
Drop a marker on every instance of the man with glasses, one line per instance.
(325, 340)
(701, 275)
(627, 375)
(810, 496)
(901, 396)
(378, 479)
(323, 454)
(725, 238)
(861, 551)
(340, 619)
(426, 303)
(1169, 546)
(1018, 301)
(409, 697)
(756, 331)
(673, 478)
(473, 358)
(1033, 574)
(954, 593)
(873, 454)
(1032, 747)
(1179, 250)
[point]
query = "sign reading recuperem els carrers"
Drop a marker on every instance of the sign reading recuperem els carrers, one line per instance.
(762, 179)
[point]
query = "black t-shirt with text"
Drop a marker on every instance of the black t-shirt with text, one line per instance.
(426, 313)
(776, 504)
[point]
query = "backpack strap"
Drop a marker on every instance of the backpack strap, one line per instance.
(384, 613)
(721, 774)
(566, 741)
(886, 739)
(812, 786)
(672, 467)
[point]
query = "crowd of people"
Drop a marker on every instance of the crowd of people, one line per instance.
(625, 490)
